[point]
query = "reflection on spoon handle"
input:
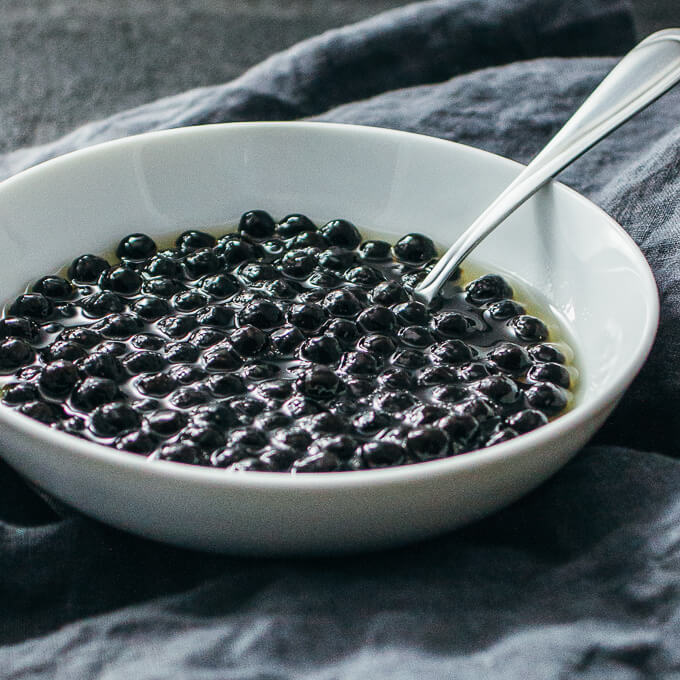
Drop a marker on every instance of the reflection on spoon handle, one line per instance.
(643, 75)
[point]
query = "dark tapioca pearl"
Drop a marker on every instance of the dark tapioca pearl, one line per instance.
(394, 402)
(297, 264)
(192, 240)
(500, 388)
(314, 297)
(121, 279)
(136, 247)
(377, 344)
(274, 391)
(226, 385)
(342, 303)
(181, 452)
(189, 301)
(337, 259)
(144, 361)
(221, 316)
(262, 314)
(87, 268)
(396, 379)
(409, 358)
(509, 357)
(156, 385)
(229, 456)
(162, 266)
(359, 363)
(217, 415)
(526, 420)
(426, 414)
(236, 251)
(318, 462)
(326, 423)
(248, 438)
(98, 305)
(364, 275)
(181, 352)
(341, 233)
(307, 317)
(281, 289)
(286, 340)
(414, 249)
(278, 460)
(141, 443)
(166, 422)
(206, 337)
(453, 325)
(20, 393)
(111, 420)
(32, 305)
(324, 279)
(292, 438)
(14, 352)
(411, 314)
(53, 287)
(475, 370)
(147, 341)
(371, 422)
(162, 287)
(103, 365)
(381, 454)
(272, 249)
(319, 383)
(546, 397)
(486, 289)
(294, 224)
(192, 395)
(309, 239)
(206, 437)
(41, 411)
(65, 311)
(201, 262)
(93, 392)
(298, 406)
(427, 443)
(344, 331)
(529, 328)
(220, 286)
(551, 373)
(547, 354)
(358, 387)
(323, 349)
(375, 251)
(177, 326)
(480, 408)
(377, 319)
(249, 341)
(223, 357)
(257, 224)
(245, 409)
(450, 394)
(260, 371)
(272, 420)
(343, 446)
(18, 327)
(389, 293)
(119, 326)
(257, 272)
(504, 310)
(58, 378)
(437, 375)
(416, 336)
(503, 434)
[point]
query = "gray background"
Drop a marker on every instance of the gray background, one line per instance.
(65, 62)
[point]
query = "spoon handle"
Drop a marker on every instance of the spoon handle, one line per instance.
(644, 74)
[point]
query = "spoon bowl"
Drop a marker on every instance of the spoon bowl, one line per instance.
(590, 273)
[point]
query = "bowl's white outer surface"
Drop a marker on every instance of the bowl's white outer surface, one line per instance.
(160, 183)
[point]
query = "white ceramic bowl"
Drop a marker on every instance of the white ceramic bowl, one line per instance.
(161, 183)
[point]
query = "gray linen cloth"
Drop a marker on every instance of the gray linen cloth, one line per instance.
(579, 579)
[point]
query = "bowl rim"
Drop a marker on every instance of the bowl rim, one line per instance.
(328, 481)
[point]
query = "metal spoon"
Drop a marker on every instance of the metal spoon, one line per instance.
(644, 74)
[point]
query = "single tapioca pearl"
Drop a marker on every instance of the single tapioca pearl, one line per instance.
(359, 363)
(326, 423)
(147, 341)
(341, 233)
(416, 336)
(222, 357)
(272, 420)
(337, 259)
(111, 420)
(219, 286)
(191, 240)
(318, 462)
(311, 296)
(323, 349)
(161, 287)
(162, 266)
(216, 414)
(344, 331)
(19, 327)
(119, 326)
(274, 390)
(377, 319)
(189, 301)
(156, 385)
(257, 272)
(453, 325)
(370, 422)
(42, 412)
(504, 310)
(299, 405)
(185, 374)
(425, 414)
(201, 262)
(529, 328)
(181, 452)
(502, 434)
(389, 293)
(342, 446)
(297, 264)
(53, 287)
(121, 279)
(394, 402)
(461, 429)
(475, 370)
(93, 392)
(191, 395)
(236, 251)
(510, 357)
(294, 224)
(427, 443)
(206, 337)
(307, 317)
(486, 289)
(87, 268)
(278, 460)
(165, 422)
(450, 394)
(547, 354)
(526, 420)
(248, 438)
(14, 352)
(150, 308)
(285, 290)
(226, 385)
(249, 341)
(380, 454)
(292, 438)
(103, 365)
(309, 239)
(263, 314)
(411, 313)
(364, 275)
(319, 383)
(409, 358)
(136, 247)
(33, 305)
(286, 340)
(141, 443)
(324, 279)
(375, 251)
(19, 393)
(551, 373)
(377, 344)
(58, 378)
(260, 370)
(181, 352)
(229, 456)
(396, 379)
(356, 388)
(500, 388)
(144, 361)
(414, 249)
(546, 397)
(177, 326)
(437, 375)
(257, 224)
(207, 438)
(342, 303)
(478, 407)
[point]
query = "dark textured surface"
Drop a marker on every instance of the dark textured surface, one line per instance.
(581, 579)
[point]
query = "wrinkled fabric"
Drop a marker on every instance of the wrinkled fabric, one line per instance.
(581, 578)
